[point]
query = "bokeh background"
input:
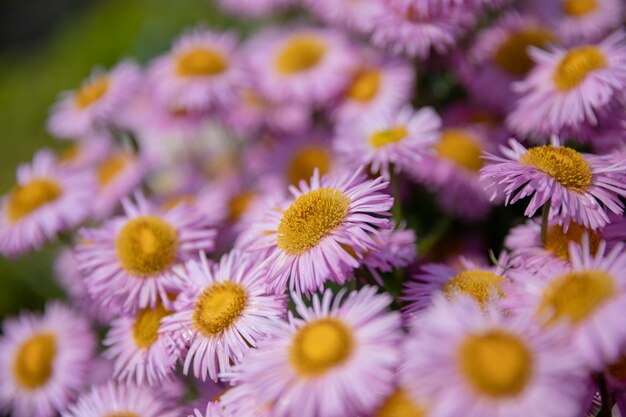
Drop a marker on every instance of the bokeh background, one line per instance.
(48, 46)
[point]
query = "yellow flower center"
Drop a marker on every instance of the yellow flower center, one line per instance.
(365, 85)
(319, 346)
(306, 160)
(618, 369)
(512, 55)
(386, 137)
(301, 53)
(576, 296)
(25, 199)
(579, 7)
(311, 217)
(146, 246)
(565, 165)
(576, 65)
(558, 241)
(399, 404)
(201, 62)
(146, 325)
(458, 146)
(34, 361)
(111, 167)
(219, 306)
(92, 91)
(238, 205)
(496, 364)
(480, 285)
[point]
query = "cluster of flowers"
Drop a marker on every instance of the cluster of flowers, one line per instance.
(239, 220)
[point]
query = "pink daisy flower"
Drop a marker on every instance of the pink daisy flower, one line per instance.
(398, 249)
(47, 199)
(44, 361)
(414, 28)
(315, 236)
(304, 65)
(477, 363)
(524, 240)
(484, 284)
(83, 154)
(120, 400)
(338, 360)
(140, 353)
(128, 262)
(398, 139)
(577, 187)
(452, 171)
(382, 84)
(254, 8)
(242, 401)
(97, 102)
(586, 296)
(201, 71)
(499, 56)
(402, 404)
(357, 15)
(222, 312)
(580, 20)
(569, 87)
(213, 409)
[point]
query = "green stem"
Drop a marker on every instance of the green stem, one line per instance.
(545, 218)
(396, 210)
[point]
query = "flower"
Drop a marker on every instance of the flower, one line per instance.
(338, 360)
(484, 284)
(586, 296)
(357, 15)
(221, 313)
(140, 353)
(109, 399)
(80, 155)
(499, 56)
(47, 199)
(569, 87)
(395, 138)
(44, 361)
(398, 249)
(476, 363)
(578, 187)
(382, 84)
(452, 171)
(212, 410)
(580, 20)
(304, 65)
(254, 8)
(315, 236)
(128, 262)
(200, 72)
(97, 102)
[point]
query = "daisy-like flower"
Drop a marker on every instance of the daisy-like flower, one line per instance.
(120, 173)
(128, 262)
(569, 87)
(315, 237)
(221, 313)
(587, 296)
(242, 401)
(397, 139)
(338, 360)
(402, 404)
(578, 187)
(213, 409)
(357, 15)
(201, 71)
(415, 28)
(484, 284)
(97, 102)
(83, 154)
(139, 352)
(44, 361)
(398, 249)
(499, 56)
(254, 8)
(382, 84)
(304, 65)
(47, 199)
(477, 363)
(109, 400)
(525, 240)
(580, 20)
(452, 171)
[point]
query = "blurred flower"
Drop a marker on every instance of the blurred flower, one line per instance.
(254, 8)
(357, 15)
(398, 249)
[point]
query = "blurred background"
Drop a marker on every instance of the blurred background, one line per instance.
(46, 47)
